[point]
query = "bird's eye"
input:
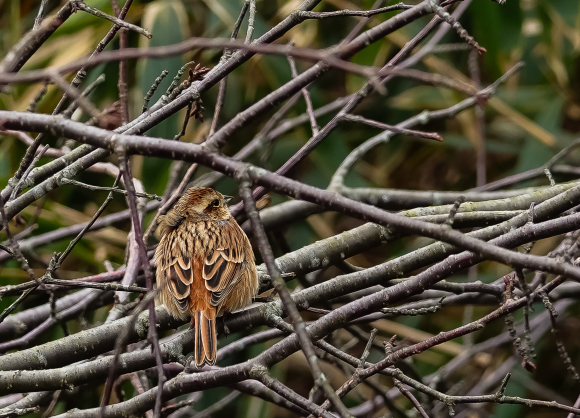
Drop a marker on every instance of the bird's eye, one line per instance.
(215, 203)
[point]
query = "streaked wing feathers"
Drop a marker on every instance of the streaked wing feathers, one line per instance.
(221, 270)
(218, 297)
(180, 279)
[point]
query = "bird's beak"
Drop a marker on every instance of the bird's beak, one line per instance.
(228, 198)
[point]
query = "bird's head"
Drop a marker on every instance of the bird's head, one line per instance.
(195, 205)
(204, 203)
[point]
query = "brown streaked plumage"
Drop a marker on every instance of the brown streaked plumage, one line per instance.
(205, 265)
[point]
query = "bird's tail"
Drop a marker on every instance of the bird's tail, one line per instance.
(205, 337)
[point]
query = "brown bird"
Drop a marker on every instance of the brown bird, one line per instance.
(205, 265)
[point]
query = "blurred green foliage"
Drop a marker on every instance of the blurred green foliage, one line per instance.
(545, 94)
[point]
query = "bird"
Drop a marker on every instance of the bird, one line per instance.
(205, 265)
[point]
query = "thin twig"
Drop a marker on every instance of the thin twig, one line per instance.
(306, 95)
(280, 286)
(153, 337)
(361, 13)
(101, 286)
(40, 15)
(37, 157)
(109, 189)
(224, 81)
(394, 129)
(251, 20)
(81, 5)
(152, 90)
(82, 101)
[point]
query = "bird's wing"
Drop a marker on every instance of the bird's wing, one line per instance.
(222, 266)
(180, 278)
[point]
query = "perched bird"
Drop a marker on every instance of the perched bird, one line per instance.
(205, 265)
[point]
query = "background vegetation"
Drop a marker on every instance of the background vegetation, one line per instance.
(535, 114)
